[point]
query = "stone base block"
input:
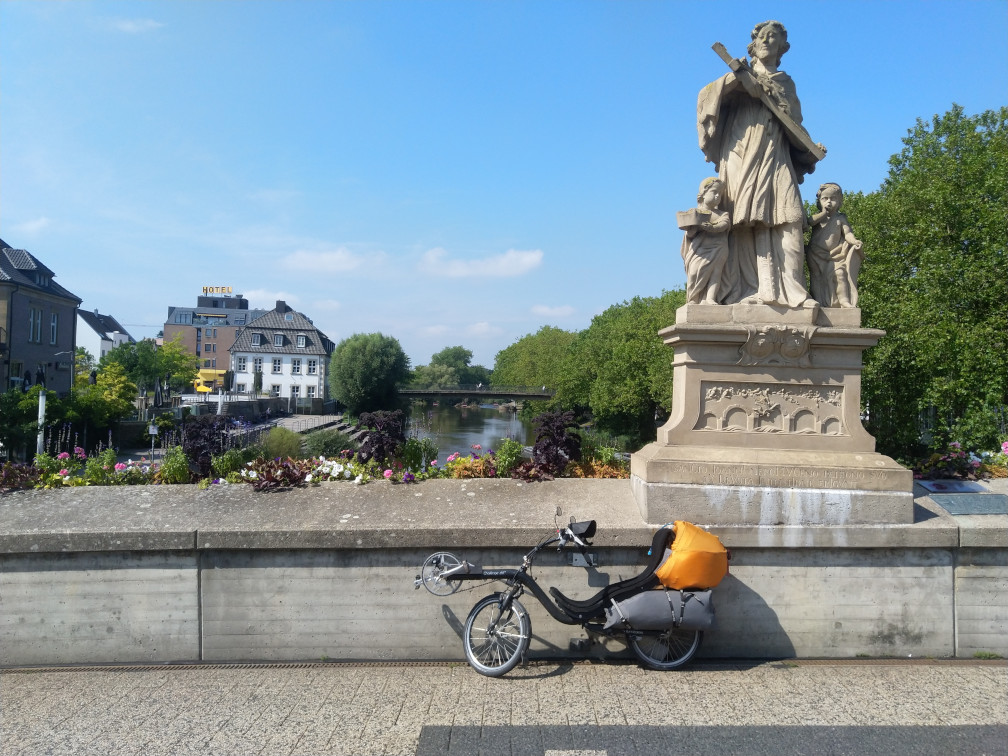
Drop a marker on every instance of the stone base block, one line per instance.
(761, 487)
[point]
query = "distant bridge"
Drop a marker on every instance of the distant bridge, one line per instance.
(481, 389)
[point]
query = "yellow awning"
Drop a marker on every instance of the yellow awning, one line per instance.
(210, 374)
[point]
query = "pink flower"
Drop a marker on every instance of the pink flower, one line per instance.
(388, 474)
(80, 453)
(120, 466)
(1004, 447)
(63, 455)
(477, 447)
(64, 472)
(434, 462)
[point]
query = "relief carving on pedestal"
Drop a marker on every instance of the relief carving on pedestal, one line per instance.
(771, 408)
(777, 345)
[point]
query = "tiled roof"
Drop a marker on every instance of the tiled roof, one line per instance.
(103, 325)
(20, 266)
(290, 325)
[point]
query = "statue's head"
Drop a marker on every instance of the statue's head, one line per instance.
(761, 29)
(711, 182)
(833, 195)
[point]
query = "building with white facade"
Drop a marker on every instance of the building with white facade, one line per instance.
(100, 334)
(291, 353)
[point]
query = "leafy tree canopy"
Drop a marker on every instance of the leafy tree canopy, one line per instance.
(536, 359)
(620, 368)
(365, 371)
(936, 280)
(146, 363)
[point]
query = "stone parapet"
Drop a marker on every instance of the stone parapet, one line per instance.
(175, 574)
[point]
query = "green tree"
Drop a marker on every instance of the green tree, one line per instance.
(536, 359)
(91, 408)
(365, 371)
(936, 280)
(146, 363)
(84, 363)
(458, 358)
(620, 368)
(434, 376)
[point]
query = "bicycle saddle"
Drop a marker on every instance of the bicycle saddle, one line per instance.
(645, 580)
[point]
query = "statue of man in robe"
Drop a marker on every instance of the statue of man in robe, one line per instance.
(760, 169)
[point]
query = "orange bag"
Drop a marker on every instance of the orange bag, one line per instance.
(697, 559)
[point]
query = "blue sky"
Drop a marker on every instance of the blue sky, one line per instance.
(441, 172)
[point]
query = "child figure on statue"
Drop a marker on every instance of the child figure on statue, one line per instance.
(833, 253)
(705, 244)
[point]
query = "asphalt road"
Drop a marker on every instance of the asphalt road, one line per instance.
(544, 708)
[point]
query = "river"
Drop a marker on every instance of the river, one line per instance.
(456, 429)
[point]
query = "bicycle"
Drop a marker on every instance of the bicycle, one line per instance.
(498, 630)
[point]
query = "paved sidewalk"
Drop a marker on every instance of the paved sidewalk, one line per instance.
(544, 708)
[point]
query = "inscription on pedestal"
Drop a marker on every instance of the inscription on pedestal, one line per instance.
(770, 408)
(775, 476)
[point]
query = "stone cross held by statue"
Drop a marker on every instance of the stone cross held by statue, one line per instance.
(747, 79)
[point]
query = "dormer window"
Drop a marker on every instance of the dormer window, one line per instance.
(301, 340)
(289, 316)
(256, 339)
(278, 339)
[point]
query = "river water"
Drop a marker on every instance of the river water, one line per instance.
(455, 429)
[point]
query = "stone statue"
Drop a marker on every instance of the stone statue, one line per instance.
(705, 243)
(749, 124)
(834, 255)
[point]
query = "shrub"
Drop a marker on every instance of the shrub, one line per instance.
(418, 453)
(203, 437)
(175, 466)
(282, 443)
(509, 454)
(556, 442)
(385, 434)
(328, 443)
(16, 476)
(475, 466)
(233, 460)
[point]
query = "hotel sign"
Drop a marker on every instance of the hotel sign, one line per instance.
(216, 289)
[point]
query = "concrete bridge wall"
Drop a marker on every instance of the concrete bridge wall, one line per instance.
(327, 573)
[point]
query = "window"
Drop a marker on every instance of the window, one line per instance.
(277, 364)
(311, 392)
(275, 389)
(206, 363)
(53, 328)
(278, 339)
(256, 339)
(296, 366)
(301, 340)
(295, 391)
(199, 334)
(257, 364)
(240, 388)
(289, 316)
(312, 367)
(240, 365)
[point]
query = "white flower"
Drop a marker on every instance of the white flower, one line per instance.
(359, 479)
(307, 478)
(253, 474)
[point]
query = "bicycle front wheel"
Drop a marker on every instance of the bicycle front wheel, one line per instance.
(668, 649)
(494, 640)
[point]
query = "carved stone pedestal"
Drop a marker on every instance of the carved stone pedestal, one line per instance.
(765, 426)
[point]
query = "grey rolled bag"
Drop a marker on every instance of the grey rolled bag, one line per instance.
(663, 609)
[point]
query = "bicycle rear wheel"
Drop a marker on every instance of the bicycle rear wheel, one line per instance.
(668, 649)
(495, 641)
